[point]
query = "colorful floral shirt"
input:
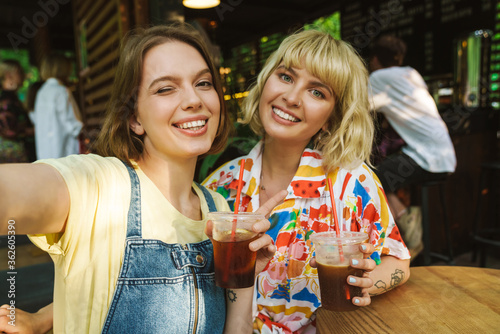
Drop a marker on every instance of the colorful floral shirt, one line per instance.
(287, 291)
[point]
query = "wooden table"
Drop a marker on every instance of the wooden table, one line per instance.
(435, 299)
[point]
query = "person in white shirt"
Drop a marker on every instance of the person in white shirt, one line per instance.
(57, 118)
(401, 95)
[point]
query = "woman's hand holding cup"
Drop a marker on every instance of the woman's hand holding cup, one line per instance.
(231, 234)
(367, 265)
(264, 245)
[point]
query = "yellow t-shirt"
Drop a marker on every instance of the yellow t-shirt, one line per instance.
(89, 254)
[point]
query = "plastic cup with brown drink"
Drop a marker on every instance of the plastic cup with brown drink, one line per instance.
(231, 236)
(333, 256)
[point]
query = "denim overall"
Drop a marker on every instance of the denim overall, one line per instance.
(164, 288)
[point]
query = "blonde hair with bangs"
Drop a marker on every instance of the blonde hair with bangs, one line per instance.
(350, 128)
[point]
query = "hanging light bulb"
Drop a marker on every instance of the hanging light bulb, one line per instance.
(200, 4)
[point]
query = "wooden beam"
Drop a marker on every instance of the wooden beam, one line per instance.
(110, 42)
(82, 7)
(108, 75)
(106, 29)
(91, 13)
(96, 108)
(102, 92)
(95, 121)
(106, 13)
(103, 62)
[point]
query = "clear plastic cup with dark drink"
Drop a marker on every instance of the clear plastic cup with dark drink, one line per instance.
(231, 236)
(333, 255)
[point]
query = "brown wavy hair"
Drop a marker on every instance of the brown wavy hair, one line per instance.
(116, 139)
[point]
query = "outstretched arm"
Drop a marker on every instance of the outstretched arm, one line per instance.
(34, 199)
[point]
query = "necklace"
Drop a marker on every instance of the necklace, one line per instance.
(261, 183)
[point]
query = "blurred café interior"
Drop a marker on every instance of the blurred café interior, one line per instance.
(454, 44)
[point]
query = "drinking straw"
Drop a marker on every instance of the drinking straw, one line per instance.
(335, 219)
(238, 194)
(337, 232)
(235, 220)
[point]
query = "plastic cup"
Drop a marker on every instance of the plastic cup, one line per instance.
(233, 259)
(333, 268)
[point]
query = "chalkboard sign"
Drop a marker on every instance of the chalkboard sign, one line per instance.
(431, 28)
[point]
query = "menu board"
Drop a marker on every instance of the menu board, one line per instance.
(430, 28)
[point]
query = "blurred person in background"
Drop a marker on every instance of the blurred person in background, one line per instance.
(31, 96)
(30, 107)
(427, 153)
(57, 118)
(16, 130)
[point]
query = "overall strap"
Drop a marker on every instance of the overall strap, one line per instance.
(134, 211)
(208, 198)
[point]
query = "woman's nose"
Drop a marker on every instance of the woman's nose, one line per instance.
(191, 100)
(293, 97)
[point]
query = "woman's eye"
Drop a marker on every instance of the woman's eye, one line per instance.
(163, 90)
(205, 84)
(317, 93)
(285, 77)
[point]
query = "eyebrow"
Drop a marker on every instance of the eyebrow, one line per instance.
(314, 83)
(176, 78)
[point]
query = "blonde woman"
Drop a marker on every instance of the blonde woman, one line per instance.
(57, 119)
(310, 105)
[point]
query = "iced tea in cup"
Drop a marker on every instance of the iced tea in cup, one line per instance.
(234, 261)
(333, 255)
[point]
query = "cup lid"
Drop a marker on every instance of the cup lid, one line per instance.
(345, 237)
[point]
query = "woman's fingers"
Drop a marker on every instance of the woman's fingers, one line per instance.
(264, 241)
(363, 264)
(261, 226)
(208, 229)
(367, 249)
(362, 282)
(271, 203)
(365, 300)
(265, 251)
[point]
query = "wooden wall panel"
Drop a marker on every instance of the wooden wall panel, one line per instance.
(99, 26)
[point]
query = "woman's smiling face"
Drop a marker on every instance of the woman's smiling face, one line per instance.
(295, 105)
(178, 108)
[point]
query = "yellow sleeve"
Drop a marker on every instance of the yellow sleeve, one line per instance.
(85, 176)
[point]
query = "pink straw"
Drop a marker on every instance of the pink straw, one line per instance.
(238, 194)
(335, 219)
